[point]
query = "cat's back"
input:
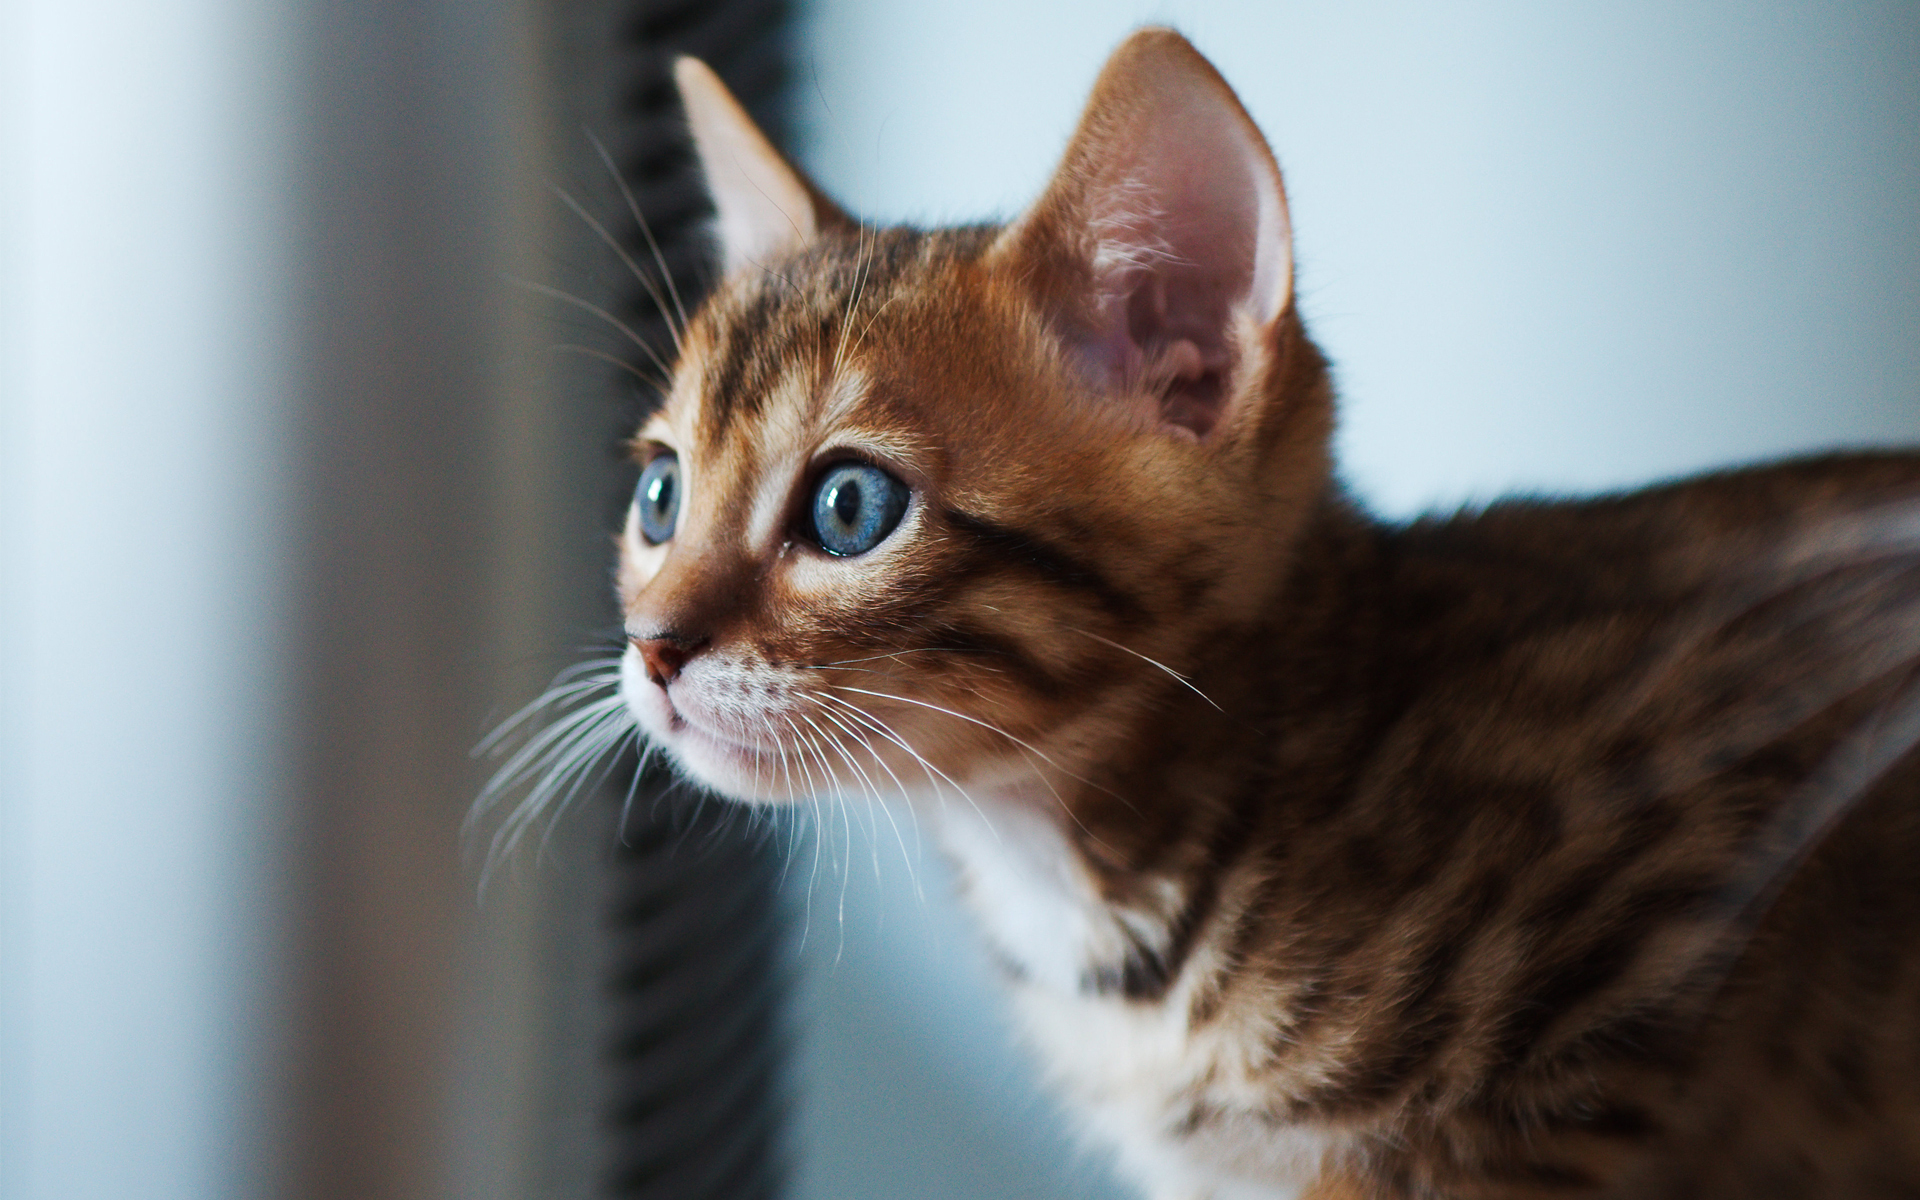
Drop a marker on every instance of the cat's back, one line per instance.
(1642, 812)
(1533, 559)
(1719, 611)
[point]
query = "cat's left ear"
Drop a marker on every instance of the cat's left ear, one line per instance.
(766, 207)
(1161, 248)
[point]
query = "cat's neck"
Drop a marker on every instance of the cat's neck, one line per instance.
(1031, 888)
(1094, 880)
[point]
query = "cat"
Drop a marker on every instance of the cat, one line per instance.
(1549, 849)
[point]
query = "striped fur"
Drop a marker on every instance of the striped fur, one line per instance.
(1555, 849)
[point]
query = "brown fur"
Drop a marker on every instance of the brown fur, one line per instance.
(1556, 849)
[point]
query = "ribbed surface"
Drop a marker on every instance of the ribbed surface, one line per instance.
(696, 973)
(745, 41)
(695, 980)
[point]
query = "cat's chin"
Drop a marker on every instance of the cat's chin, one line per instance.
(733, 768)
(734, 771)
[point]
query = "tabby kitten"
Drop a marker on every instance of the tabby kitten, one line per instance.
(1556, 849)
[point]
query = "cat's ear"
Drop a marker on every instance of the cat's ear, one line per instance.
(766, 207)
(1161, 248)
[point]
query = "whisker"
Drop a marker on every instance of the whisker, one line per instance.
(890, 654)
(572, 752)
(608, 756)
(990, 728)
(568, 683)
(793, 843)
(886, 731)
(835, 795)
(838, 798)
(532, 756)
(873, 822)
(869, 243)
(554, 293)
(885, 808)
(646, 230)
(862, 339)
(645, 277)
(652, 381)
(566, 765)
(819, 832)
(569, 759)
(1187, 683)
(532, 762)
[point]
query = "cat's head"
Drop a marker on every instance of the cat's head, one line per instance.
(929, 509)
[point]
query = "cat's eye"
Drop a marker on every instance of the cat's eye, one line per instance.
(855, 506)
(658, 497)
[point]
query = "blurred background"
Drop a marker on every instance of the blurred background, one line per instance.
(301, 491)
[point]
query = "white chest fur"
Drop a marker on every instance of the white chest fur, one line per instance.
(1134, 1071)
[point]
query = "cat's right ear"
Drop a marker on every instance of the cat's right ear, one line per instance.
(1161, 248)
(766, 207)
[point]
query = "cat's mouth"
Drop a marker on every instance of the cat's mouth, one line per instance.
(682, 723)
(742, 769)
(710, 748)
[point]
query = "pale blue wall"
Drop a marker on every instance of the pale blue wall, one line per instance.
(1556, 247)
(143, 396)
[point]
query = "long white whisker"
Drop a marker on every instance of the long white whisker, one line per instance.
(866, 745)
(990, 728)
(567, 683)
(565, 765)
(532, 762)
(645, 277)
(555, 293)
(883, 730)
(646, 230)
(843, 663)
(652, 381)
(837, 796)
(885, 808)
(557, 761)
(819, 831)
(886, 731)
(1187, 683)
(873, 822)
(1029, 746)
(832, 793)
(793, 846)
(862, 339)
(868, 245)
(577, 754)
(607, 754)
(532, 757)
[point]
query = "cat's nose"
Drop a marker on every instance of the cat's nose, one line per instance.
(665, 654)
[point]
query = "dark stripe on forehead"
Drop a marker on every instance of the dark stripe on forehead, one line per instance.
(746, 361)
(808, 303)
(1062, 569)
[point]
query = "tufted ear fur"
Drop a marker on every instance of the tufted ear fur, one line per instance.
(1161, 247)
(766, 208)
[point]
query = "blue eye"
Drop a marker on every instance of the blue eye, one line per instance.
(658, 497)
(855, 507)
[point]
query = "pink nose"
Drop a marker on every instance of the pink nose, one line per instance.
(665, 656)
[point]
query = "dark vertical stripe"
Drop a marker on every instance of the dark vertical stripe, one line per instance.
(693, 1056)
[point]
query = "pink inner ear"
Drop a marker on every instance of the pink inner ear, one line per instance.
(1177, 219)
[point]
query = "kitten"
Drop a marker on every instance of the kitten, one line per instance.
(1558, 849)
